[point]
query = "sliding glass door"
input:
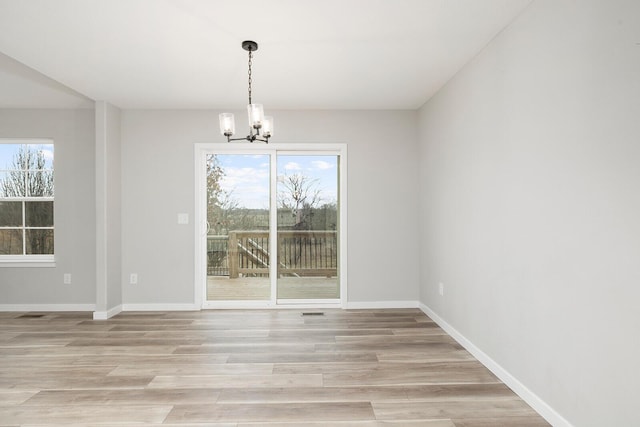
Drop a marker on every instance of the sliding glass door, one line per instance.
(307, 227)
(238, 206)
(271, 224)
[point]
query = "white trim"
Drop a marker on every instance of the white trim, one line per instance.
(266, 305)
(539, 405)
(200, 225)
(355, 305)
(160, 307)
(282, 302)
(104, 315)
(46, 260)
(27, 264)
(273, 227)
(26, 259)
(309, 304)
(26, 141)
(47, 307)
(237, 305)
(342, 225)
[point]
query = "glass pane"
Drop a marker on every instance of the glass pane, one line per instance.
(26, 156)
(26, 170)
(238, 235)
(10, 214)
(9, 155)
(307, 227)
(43, 156)
(13, 183)
(40, 183)
(11, 242)
(39, 214)
(39, 242)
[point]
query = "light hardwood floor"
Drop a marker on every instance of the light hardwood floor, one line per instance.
(246, 368)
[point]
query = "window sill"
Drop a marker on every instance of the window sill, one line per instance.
(33, 261)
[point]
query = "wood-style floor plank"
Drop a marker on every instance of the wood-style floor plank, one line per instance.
(235, 381)
(414, 373)
(124, 397)
(190, 369)
(423, 393)
(307, 357)
(420, 410)
(531, 421)
(357, 368)
(10, 397)
(290, 412)
(67, 414)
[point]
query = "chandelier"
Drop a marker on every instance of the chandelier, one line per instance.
(260, 127)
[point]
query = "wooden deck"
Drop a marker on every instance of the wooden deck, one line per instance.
(362, 368)
(259, 288)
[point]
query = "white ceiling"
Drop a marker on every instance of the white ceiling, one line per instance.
(328, 54)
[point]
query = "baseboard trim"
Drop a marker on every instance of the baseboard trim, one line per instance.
(160, 307)
(539, 405)
(380, 304)
(47, 307)
(104, 315)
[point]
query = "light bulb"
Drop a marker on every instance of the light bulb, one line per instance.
(256, 115)
(227, 124)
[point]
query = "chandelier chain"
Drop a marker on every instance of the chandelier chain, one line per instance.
(250, 56)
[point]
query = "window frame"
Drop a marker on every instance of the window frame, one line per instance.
(24, 259)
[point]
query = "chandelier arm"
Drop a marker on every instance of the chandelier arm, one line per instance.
(249, 138)
(245, 138)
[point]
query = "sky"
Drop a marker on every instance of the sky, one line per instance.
(8, 151)
(246, 176)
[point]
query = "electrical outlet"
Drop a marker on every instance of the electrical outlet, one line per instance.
(133, 279)
(441, 288)
(183, 218)
(67, 278)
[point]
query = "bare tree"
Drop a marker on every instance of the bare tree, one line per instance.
(301, 196)
(220, 203)
(27, 176)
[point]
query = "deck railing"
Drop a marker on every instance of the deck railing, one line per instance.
(300, 253)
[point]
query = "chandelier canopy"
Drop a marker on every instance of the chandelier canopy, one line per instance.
(260, 126)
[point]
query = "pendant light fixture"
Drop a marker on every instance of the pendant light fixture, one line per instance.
(260, 127)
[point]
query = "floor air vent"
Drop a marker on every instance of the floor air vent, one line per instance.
(313, 313)
(30, 316)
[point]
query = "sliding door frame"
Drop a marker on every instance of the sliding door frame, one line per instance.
(201, 150)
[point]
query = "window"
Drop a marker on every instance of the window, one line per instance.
(26, 200)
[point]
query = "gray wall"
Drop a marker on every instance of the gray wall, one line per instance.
(158, 183)
(530, 202)
(75, 244)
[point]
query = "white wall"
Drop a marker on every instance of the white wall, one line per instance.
(530, 202)
(158, 183)
(73, 134)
